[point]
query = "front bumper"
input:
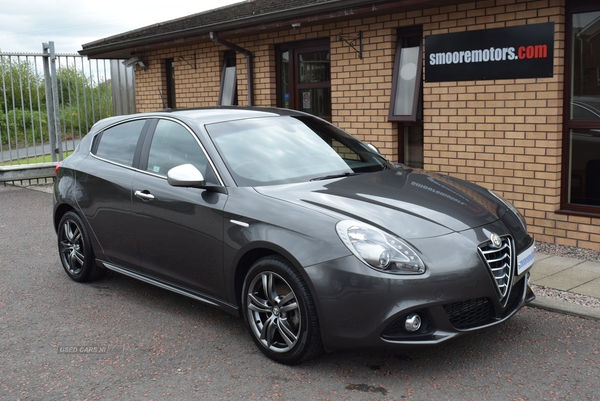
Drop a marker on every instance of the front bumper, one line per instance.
(361, 307)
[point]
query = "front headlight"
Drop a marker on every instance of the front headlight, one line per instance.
(511, 207)
(378, 249)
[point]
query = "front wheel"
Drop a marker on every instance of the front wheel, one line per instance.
(75, 249)
(280, 313)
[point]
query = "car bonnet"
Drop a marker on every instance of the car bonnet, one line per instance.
(408, 202)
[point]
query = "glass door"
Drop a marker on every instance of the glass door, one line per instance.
(305, 77)
(314, 83)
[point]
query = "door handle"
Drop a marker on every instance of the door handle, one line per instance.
(144, 195)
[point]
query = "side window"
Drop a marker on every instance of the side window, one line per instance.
(173, 145)
(118, 143)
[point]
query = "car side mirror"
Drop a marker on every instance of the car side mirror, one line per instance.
(373, 148)
(185, 175)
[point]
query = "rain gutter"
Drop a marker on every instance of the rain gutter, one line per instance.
(275, 19)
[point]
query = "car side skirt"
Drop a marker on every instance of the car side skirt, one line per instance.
(234, 310)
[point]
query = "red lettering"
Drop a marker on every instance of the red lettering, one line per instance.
(537, 51)
(541, 51)
(530, 52)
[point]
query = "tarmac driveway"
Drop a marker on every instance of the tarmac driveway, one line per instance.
(120, 339)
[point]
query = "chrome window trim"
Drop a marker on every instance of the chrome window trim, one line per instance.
(208, 158)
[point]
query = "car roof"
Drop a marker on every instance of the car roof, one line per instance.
(210, 115)
(207, 115)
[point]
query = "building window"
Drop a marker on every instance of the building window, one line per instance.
(228, 95)
(406, 104)
(407, 80)
(304, 81)
(581, 170)
(412, 145)
(170, 75)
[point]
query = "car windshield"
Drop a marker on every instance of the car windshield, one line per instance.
(277, 150)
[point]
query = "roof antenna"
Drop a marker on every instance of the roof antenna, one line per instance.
(165, 108)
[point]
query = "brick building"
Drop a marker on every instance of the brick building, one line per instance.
(528, 129)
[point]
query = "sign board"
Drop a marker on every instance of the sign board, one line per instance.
(306, 100)
(525, 51)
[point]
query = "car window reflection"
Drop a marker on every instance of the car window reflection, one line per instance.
(268, 151)
(173, 145)
(118, 143)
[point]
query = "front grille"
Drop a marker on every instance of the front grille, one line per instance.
(471, 313)
(500, 262)
(515, 297)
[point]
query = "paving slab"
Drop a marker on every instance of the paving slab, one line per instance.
(589, 266)
(591, 288)
(554, 264)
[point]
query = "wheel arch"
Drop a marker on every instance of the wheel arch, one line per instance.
(59, 212)
(64, 208)
(75, 245)
(306, 341)
(249, 256)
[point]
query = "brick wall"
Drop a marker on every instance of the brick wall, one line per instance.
(360, 88)
(194, 87)
(505, 134)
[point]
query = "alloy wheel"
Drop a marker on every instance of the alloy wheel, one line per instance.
(72, 249)
(274, 312)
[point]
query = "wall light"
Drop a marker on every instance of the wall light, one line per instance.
(133, 61)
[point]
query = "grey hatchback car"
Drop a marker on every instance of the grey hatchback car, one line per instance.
(318, 241)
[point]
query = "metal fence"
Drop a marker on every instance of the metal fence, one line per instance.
(49, 101)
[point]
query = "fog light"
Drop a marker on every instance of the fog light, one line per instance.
(413, 322)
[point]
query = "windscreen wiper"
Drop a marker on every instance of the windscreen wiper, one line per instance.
(341, 175)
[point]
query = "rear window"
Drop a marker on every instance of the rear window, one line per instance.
(118, 143)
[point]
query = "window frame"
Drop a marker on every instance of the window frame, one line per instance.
(294, 49)
(569, 124)
(138, 148)
(170, 83)
(414, 116)
(403, 146)
(415, 121)
(145, 146)
(229, 61)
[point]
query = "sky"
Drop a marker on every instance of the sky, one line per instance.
(26, 24)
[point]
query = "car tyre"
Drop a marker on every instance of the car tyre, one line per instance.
(280, 312)
(75, 249)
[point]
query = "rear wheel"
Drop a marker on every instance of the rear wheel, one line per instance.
(280, 312)
(75, 249)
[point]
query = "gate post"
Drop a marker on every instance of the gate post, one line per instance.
(52, 104)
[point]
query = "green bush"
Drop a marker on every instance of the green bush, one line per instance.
(24, 127)
(3, 131)
(20, 85)
(82, 102)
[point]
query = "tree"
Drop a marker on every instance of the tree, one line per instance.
(82, 101)
(20, 85)
(22, 103)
